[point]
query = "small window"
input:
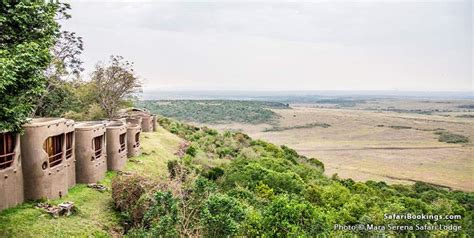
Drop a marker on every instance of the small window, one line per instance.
(137, 137)
(54, 148)
(122, 141)
(69, 141)
(7, 150)
(97, 144)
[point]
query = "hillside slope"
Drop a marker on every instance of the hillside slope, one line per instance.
(193, 181)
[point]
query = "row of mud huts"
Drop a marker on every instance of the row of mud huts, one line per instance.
(53, 154)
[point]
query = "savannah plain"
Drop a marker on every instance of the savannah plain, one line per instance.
(389, 140)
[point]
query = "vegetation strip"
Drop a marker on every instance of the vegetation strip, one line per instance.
(305, 126)
(215, 111)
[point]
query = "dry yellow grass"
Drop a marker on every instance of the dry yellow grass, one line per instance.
(356, 147)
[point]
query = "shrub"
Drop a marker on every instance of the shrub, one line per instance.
(177, 171)
(312, 193)
(162, 216)
(264, 191)
(335, 195)
(250, 173)
(191, 151)
(221, 215)
(316, 163)
(214, 173)
(448, 137)
(173, 166)
(287, 217)
(129, 194)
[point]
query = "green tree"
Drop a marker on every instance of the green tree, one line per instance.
(58, 97)
(115, 82)
(28, 31)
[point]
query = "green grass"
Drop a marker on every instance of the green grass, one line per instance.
(95, 216)
(157, 149)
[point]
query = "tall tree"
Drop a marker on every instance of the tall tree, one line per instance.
(28, 30)
(115, 82)
(58, 96)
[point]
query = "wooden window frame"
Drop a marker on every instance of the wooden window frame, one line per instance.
(69, 144)
(97, 141)
(55, 154)
(122, 143)
(7, 155)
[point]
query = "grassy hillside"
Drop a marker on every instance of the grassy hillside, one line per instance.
(215, 111)
(96, 215)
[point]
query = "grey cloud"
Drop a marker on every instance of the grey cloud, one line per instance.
(312, 45)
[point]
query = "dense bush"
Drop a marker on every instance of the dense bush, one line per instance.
(221, 216)
(287, 217)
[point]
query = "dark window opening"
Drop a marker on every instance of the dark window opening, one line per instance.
(54, 148)
(69, 141)
(7, 150)
(97, 144)
(122, 142)
(137, 137)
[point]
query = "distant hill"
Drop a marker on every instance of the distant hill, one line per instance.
(215, 111)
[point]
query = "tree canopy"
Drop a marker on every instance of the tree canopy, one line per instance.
(28, 31)
(114, 82)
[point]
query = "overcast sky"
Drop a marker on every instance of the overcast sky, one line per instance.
(368, 45)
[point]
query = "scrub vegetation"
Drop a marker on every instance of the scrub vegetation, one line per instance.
(305, 126)
(216, 111)
(261, 189)
(449, 137)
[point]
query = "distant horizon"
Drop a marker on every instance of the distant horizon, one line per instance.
(301, 90)
(154, 94)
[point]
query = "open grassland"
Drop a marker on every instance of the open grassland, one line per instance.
(396, 147)
(96, 216)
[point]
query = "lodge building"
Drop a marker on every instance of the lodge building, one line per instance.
(53, 154)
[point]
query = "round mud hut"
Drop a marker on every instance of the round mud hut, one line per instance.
(146, 119)
(90, 152)
(116, 137)
(43, 154)
(147, 122)
(11, 176)
(133, 139)
(134, 120)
